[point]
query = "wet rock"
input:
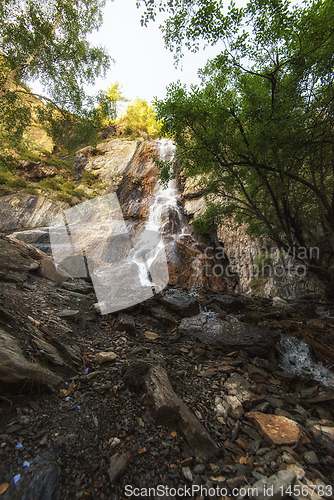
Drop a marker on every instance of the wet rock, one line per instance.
(275, 430)
(181, 303)
(228, 336)
(229, 304)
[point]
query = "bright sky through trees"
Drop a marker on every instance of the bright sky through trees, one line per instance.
(143, 66)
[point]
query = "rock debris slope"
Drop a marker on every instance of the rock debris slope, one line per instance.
(137, 399)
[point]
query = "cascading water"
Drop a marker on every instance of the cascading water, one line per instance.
(165, 215)
(296, 358)
(165, 221)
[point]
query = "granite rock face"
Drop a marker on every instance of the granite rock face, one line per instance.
(24, 210)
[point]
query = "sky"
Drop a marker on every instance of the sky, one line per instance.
(143, 66)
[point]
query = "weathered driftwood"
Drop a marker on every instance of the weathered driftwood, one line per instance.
(168, 408)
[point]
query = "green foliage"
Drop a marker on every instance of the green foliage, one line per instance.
(109, 103)
(262, 265)
(65, 197)
(48, 41)
(7, 179)
(208, 221)
(62, 186)
(141, 117)
(89, 179)
(260, 127)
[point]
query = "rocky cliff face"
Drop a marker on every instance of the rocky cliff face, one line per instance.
(262, 269)
(231, 260)
(127, 168)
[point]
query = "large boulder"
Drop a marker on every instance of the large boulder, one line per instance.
(229, 336)
(14, 262)
(16, 369)
(17, 259)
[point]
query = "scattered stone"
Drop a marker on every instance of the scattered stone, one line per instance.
(151, 335)
(273, 487)
(311, 458)
(78, 287)
(48, 270)
(118, 464)
(126, 323)
(229, 303)
(199, 469)
(181, 303)
(166, 320)
(235, 482)
(304, 492)
(280, 303)
(105, 357)
(297, 469)
(236, 409)
(275, 430)
(187, 473)
(324, 435)
(70, 314)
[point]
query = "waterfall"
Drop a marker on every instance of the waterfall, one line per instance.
(165, 214)
(165, 221)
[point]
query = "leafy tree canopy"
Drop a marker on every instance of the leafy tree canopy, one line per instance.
(47, 41)
(141, 117)
(109, 102)
(259, 129)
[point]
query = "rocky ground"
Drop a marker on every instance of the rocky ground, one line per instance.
(183, 390)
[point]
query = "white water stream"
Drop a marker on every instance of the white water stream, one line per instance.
(296, 358)
(165, 218)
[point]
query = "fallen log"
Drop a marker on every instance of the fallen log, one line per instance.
(167, 408)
